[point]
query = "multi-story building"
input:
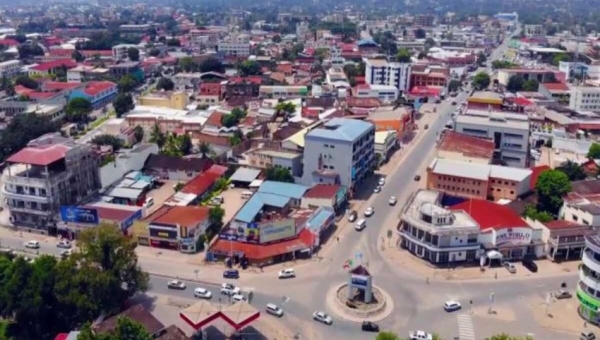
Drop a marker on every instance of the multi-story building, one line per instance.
(85, 73)
(385, 93)
(235, 46)
(10, 68)
(51, 67)
(119, 52)
(137, 29)
(509, 131)
(534, 30)
(176, 100)
(302, 30)
(341, 151)
(50, 172)
(417, 45)
(132, 68)
(99, 93)
(541, 75)
(588, 293)
(428, 75)
(481, 181)
(382, 72)
(585, 98)
(424, 20)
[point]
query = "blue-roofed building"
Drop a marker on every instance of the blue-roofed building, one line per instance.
(342, 151)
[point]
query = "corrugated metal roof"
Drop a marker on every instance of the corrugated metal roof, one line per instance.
(453, 168)
(342, 129)
(257, 202)
(245, 175)
(280, 188)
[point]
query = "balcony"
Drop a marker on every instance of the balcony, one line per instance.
(26, 210)
(23, 196)
(591, 262)
(589, 277)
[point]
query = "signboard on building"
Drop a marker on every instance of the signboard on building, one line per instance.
(515, 235)
(161, 232)
(359, 281)
(128, 222)
(276, 230)
(73, 214)
(340, 196)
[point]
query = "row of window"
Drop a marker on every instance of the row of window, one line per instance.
(459, 180)
(494, 181)
(457, 189)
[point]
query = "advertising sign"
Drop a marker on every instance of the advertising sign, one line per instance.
(228, 237)
(163, 233)
(517, 235)
(128, 222)
(360, 281)
(276, 230)
(73, 214)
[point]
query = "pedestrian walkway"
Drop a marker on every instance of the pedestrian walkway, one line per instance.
(465, 327)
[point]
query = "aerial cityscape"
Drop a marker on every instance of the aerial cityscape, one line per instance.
(416, 170)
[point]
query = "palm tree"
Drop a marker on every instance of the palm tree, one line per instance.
(138, 133)
(204, 148)
(173, 145)
(158, 137)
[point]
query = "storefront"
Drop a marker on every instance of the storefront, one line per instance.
(163, 237)
(514, 243)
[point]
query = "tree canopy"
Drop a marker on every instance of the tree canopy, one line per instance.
(127, 83)
(123, 103)
(165, 84)
(78, 110)
(279, 174)
(481, 81)
(594, 151)
(27, 82)
(110, 140)
(21, 129)
(212, 65)
(550, 187)
(248, 68)
(403, 55)
(573, 170)
(133, 54)
(127, 329)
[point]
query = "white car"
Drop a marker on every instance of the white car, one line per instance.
(322, 317)
(369, 212)
(66, 253)
(64, 244)
(381, 181)
(176, 284)
(229, 289)
(287, 273)
(393, 200)
(419, 335)
(451, 306)
(202, 293)
(377, 189)
(32, 244)
(238, 298)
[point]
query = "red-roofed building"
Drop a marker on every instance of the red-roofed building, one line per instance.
(363, 103)
(565, 240)
(210, 93)
(177, 227)
(425, 91)
(454, 145)
(535, 174)
(9, 42)
(324, 195)
(51, 67)
(243, 86)
(555, 90)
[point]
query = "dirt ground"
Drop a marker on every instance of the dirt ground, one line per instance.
(560, 315)
(233, 202)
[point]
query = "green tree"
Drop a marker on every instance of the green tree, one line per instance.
(481, 81)
(78, 56)
(204, 149)
(403, 56)
(155, 52)
(454, 85)
(286, 108)
(27, 82)
(594, 151)
(157, 136)
(420, 33)
(531, 85)
(560, 57)
(188, 64)
(127, 329)
(138, 133)
(216, 215)
(573, 170)
(481, 59)
(508, 337)
(108, 260)
(178, 186)
(276, 38)
(212, 65)
(185, 144)
(515, 83)
(133, 54)
(550, 188)
(174, 43)
(279, 174)
(533, 213)
(237, 138)
(248, 68)
(106, 139)
(165, 84)
(387, 336)
(123, 103)
(229, 120)
(78, 110)
(127, 83)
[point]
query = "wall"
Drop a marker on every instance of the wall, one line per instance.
(309, 202)
(459, 156)
(458, 186)
(572, 214)
(176, 101)
(500, 188)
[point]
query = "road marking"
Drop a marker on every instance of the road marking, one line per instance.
(465, 327)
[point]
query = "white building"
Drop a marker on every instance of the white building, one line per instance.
(385, 144)
(302, 30)
(236, 45)
(342, 151)
(382, 72)
(585, 98)
(119, 52)
(508, 131)
(10, 68)
(384, 93)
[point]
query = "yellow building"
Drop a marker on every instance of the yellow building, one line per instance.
(176, 100)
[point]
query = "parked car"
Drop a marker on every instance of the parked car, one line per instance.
(66, 253)
(377, 189)
(32, 244)
(529, 264)
(64, 244)
(417, 178)
(369, 327)
(229, 289)
(352, 216)
(287, 273)
(562, 294)
(273, 309)
(451, 306)
(322, 317)
(587, 335)
(360, 225)
(419, 335)
(369, 212)
(176, 284)
(381, 181)
(393, 200)
(238, 298)
(231, 274)
(510, 267)
(202, 293)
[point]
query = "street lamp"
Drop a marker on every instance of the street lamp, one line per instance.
(490, 310)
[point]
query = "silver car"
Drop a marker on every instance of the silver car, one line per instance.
(322, 317)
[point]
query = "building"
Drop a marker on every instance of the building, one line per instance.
(235, 46)
(556, 91)
(481, 181)
(50, 172)
(283, 92)
(119, 52)
(589, 278)
(582, 204)
(534, 30)
(485, 100)
(243, 86)
(542, 76)
(391, 118)
(302, 30)
(425, 20)
(168, 120)
(341, 151)
(178, 227)
(45, 69)
(325, 195)
(465, 232)
(508, 131)
(176, 100)
(99, 93)
(86, 73)
(428, 75)
(210, 93)
(382, 72)
(585, 98)
(139, 29)
(132, 68)
(465, 148)
(263, 158)
(10, 68)
(176, 168)
(386, 142)
(385, 93)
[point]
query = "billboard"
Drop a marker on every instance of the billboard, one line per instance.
(163, 233)
(73, 214)
(359, 281)
(276, 230)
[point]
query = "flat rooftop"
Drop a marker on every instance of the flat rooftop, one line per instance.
(494, 119)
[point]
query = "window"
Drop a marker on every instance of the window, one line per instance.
(512, 192)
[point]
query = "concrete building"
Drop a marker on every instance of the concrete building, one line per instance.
(582, 204)
(385, 144)
(589, 279)
(169, 120)
(424, 20)
(176, 100)
(382, 72)
(235, 46)
(302, 30)
(542, 76)
(585, 98)
(482, 181)
(385, 93)
(119, 52)
(508, 131)
(341, 151)
(50, 172)
(263, 158)
(10, 68)
(465, 148)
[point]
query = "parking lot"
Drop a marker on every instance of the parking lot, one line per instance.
(233, 201)
(161, 194)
